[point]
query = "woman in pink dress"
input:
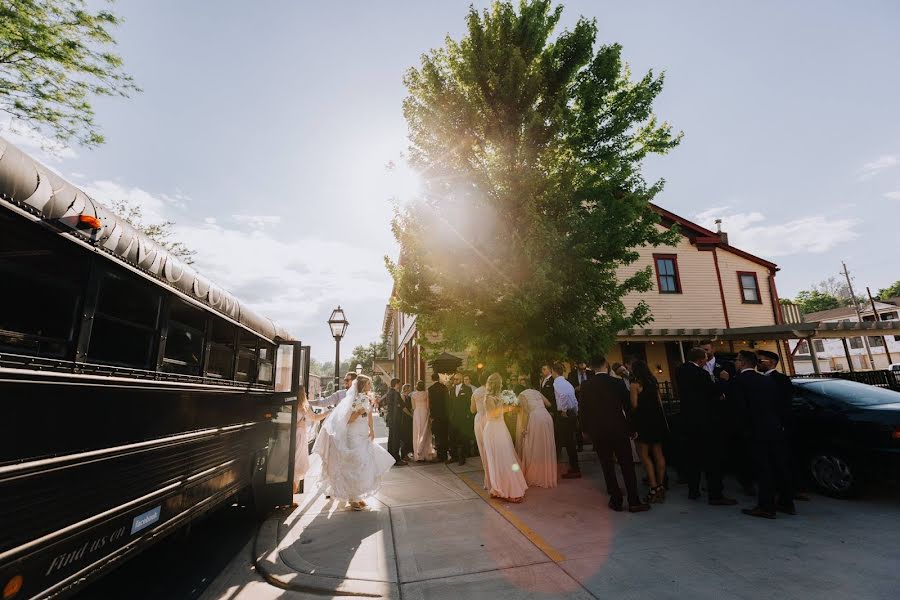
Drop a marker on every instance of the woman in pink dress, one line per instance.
(535, 441)
(423, 449)
(477, 406)
(505, 475)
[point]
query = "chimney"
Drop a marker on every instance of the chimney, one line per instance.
(722, 235)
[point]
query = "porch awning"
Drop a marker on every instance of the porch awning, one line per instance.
(787, 331)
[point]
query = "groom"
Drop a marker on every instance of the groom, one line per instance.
(393, 403)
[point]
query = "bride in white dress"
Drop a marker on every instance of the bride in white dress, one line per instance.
(352, 463)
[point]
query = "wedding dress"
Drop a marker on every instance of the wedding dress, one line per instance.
(352, 464)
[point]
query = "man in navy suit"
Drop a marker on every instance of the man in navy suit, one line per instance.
(702, 416)
(757, 396)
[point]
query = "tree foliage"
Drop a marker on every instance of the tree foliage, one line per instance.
(530, 145)
(891, 291)
(161, 232)
(55, 55)
(811, 301)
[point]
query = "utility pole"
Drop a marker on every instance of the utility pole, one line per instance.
(865, 339)
(884, 340)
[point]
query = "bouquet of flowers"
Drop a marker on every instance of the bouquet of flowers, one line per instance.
(362, 402)
(509, 398)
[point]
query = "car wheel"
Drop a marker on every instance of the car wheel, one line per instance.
(834, 474)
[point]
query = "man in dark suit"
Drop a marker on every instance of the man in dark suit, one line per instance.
(462, 427)
(758, 396)
(393, 405)
(702, 418)
(602, 408)
(550, 394)
(736, 450)
(768, 363)
(578, 375)
(439, 409)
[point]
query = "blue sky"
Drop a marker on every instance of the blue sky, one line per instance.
(264, 129)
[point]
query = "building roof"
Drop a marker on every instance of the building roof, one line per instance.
(701, 236)
(845, 312)
(788, 331)
(33, 190)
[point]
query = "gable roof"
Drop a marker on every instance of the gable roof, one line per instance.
(701, 236)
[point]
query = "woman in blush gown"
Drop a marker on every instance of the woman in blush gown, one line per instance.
(352, 463)
(535, 441)
(423, 448)
(477, 407)
(503, 471)
(306, 421)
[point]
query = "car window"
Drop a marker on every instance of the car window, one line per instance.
(857, 394)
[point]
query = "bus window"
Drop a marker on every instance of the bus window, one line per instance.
(266, 364)
(42, 284)
(125, 322)
(247, 358)
(221, 350)
(184, 340)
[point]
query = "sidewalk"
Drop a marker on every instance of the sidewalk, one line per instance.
(433, 533)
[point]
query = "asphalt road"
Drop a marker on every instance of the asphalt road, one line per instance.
(181, 566)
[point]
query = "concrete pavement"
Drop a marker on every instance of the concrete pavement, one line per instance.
(433, 533)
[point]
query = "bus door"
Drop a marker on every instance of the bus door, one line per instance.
(291, 373)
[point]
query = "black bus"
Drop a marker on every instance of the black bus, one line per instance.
(135, 395)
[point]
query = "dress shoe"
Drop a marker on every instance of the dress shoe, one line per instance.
(639, 507)
(400, 463)
(788, 509)
(461, 462)
(615, 505)
(572, 475)
(801, 496)
(722, 501)
(756, 511)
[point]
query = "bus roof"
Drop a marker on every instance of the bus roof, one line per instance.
(47, 197)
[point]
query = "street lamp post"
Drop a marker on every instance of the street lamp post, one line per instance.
(338, 324)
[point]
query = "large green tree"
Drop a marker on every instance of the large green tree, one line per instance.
(530, 143)
(55, 56)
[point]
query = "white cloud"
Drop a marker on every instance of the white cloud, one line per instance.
(256, 221)
(34, 142)
(295, 282)
(893, 195)
(753, 233)
(873, 168)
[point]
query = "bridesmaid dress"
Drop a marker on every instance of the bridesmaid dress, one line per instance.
(478, 396)
(505, 476)
(537, 448)
(423, 449)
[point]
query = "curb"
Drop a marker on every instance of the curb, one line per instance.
(268, 563)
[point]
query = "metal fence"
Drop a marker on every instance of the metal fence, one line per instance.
(882, 379)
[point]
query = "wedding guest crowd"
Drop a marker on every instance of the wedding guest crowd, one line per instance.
(731, 416)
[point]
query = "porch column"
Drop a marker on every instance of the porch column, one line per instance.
(681, 351)
(813, 355)
(847, 354)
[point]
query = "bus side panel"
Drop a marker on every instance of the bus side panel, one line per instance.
(179, 453)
